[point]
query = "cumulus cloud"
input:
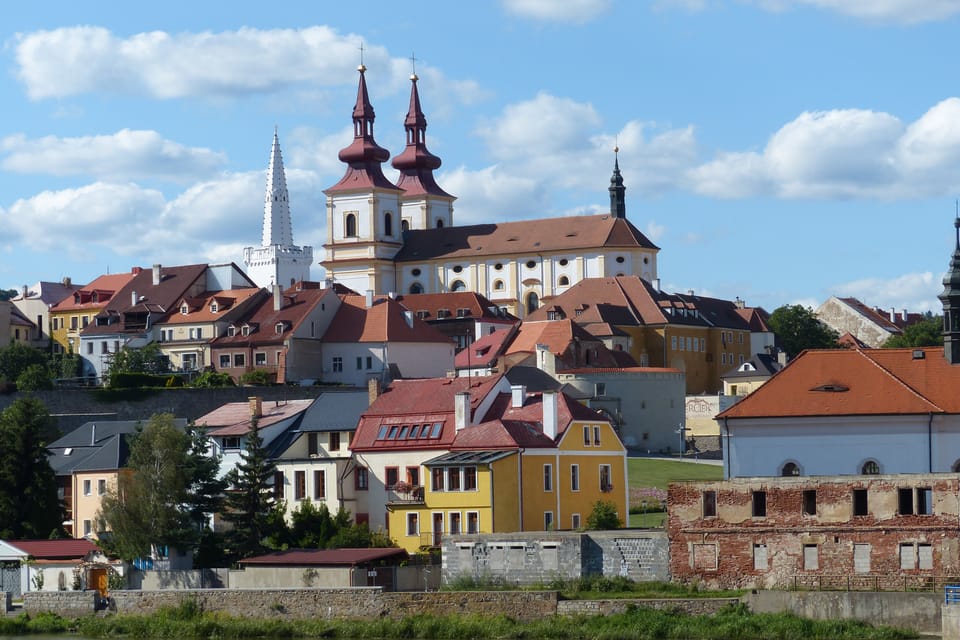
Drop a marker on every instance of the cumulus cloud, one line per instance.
(915, 292)
(883, 11)
(493, 194)
(544, 125)
(121, 156)
(844, 153)
(573, 11)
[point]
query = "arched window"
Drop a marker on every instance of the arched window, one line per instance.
(498, 285)
(870, 468)
(404, 225)
(790, 469)
(563, 281)
(956, 467)
(388, 224)
(439, 224)
(350, 226)
(416, 287)
(533, 302)
(457, 285)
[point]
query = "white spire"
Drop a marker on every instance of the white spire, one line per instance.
(277, 229)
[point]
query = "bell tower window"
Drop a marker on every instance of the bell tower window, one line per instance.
(388, 224)
(350, 225)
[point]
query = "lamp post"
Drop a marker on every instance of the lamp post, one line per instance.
(682, 430)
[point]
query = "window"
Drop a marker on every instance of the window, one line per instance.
(915, 501)
(391, 476)
(606, 480)
(709, 504)
(278, 482)
(299, 485)
(586, 436)
(533, 302)
(596, 435)
(259, 359)
(453, 479)
(435, 432)
(860, 506)
(600, 389)
(413, 476)
(563, 281)
(759, 557)
(498, 285)
(759, 504)
(231, 442)
(908, 557)
(73, 322)
(350, 225)
(575, 521)
(333, 441)
(239, 360)
(87, 528)
(101, 487)
(790, 469)
(359, 363)
(87, 484)
(319, 484)
(861, 558)
(454, 517)
(361, 479)
(673, 343)
(811, 557)
(574, 477)
(548, 520)
(458, 285)
(337, 364)
(870, 468)
(404, 430)
(469, 478)
(89, 348)
(413, 524)
(924, 556)
(224, 361)
(473, 522)
(548, 477)
(436, 479)
(810, 502)
(388, 224)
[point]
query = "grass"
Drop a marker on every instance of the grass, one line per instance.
(636, 623)
(654, 472)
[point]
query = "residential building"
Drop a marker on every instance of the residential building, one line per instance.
(281, 335)
(277, 261)
(463, 316)
(54, 565)
(14, 326)
(35, 303)
(571, 346)
(753, 373)
(376, 337)
(870, 325)
(74, 313)
(401, 237)
(187, 333)
(486, 356)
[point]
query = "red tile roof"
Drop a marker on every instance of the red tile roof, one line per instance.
(297, 303)
(63, 549)
(384, 321)
(317, 557)
(106, 286)
(485, 351)
(233, 419)
(857, 382)
(199, 308)
(566, 339)
(477, 306)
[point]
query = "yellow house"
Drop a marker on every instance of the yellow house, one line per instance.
(71, 315)
(536, 462)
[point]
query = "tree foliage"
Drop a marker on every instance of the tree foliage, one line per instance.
(16, 357)
(797, 328)
(212, 378)
(35, 377)
(926, 333)
(162, 500)
(146, 359)
(315, 527)
(250, 502)
(8, 294)
(29, 506)
(603, 516)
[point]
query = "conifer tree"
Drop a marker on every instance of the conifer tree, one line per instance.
(250, 501)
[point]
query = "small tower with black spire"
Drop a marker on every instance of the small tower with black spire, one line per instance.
(951, 303)
(618, 203)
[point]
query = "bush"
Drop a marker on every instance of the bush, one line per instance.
(258, 377)
(35, 377)
(211, 378)
(125, 380)
(603, 516)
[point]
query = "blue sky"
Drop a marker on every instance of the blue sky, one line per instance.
(781, 151)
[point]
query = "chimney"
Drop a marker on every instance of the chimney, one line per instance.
(904, 315)
(518, 393)
(373, 390)
(328, 283)
(133, 298)
(277, 298)
(408, 316)
(656, 284)
(893, 314)
(545, 360)
(93, 434)
(462, 410)
(782, 357)
(689, 292)
(67, 281)
(156, 275)
(24, 291)
(392, 295)
(550, 414)
(369, 298)
(256, 407)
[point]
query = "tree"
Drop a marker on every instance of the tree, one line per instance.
(797, 328)
(29, 506)
(926, 333)
(8, 294)
(146, 359)
(603, 516)
(34, 378)
(163, 499)
(16, 357)
(250, 502)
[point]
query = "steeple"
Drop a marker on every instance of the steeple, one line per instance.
(277, 228)
(950, 297)
(416, 164)
(363, 156)
(618, 205)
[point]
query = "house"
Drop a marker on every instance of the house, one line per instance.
(14, 326)
(320, 568)
(74, 312)
(376, 337)
(54, 565)
(485, 356)
(35, 303)
(463, 316)
(865, 532)
(750, 375)
(571, 346)
(280, 335)
(186, 334)
(401, 237)
(701, 336)
(870, 325)
(87, 463)
(313, 458)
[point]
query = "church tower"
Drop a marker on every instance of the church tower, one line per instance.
(278, 260)
(618, 192)
(363, 210)
(423, 205)
(951, 303)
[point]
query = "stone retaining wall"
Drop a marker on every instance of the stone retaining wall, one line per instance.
(692, 606)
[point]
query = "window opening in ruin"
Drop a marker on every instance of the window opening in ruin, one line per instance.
(870, 468)
(924, 501)
(709, 504)
(860, 507)
(810, 502)
(759, 504)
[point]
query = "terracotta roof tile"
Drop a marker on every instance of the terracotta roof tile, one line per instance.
(477, 306)
(233, 418)
(200, 307)
(106, 286)
(298, 301)
(348, 557)
(66, 548)
(385, 321)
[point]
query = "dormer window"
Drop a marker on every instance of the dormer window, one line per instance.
(245, 330)
(231, 331)
(279, 328)
(184, 309)
(214, 307)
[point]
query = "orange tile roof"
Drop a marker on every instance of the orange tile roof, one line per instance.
(385, 321)
(478, 306)
(200, 306)
(108, 284)
(233, 418)
(856, 382)
(63, 549)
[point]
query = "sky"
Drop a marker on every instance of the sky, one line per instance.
(779, 151)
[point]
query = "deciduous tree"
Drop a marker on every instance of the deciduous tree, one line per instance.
(797, 328)
(926, 333)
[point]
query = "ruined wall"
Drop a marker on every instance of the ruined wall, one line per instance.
(732, 546)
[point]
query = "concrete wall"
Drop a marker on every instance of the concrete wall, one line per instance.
(531, 558)
(918, 611)
(191, 579)
(253, 577)
(950, 626)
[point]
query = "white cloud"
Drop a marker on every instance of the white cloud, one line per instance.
(574, 11)
(915, 292)
(844, 153)
(121, 156)
(543, 125)
(885, 11)
(492, 195)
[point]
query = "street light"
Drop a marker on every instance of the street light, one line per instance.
(682, 430)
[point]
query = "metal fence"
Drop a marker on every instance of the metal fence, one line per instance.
(872, 583)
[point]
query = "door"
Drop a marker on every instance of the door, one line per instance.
(437, 529)
(98, 580)
(10, 578)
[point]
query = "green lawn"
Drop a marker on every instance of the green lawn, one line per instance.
(657, 473)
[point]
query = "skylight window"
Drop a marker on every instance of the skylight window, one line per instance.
(403, 432)
(832, 388)
(393, 432)
(382, 433)
(435, 432)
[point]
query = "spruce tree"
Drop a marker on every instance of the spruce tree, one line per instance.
(250, 500)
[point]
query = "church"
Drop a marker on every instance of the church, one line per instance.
(400, 238)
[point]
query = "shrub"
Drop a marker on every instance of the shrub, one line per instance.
(34, 378)
(258, 377)
(212, 379)
(603, 516)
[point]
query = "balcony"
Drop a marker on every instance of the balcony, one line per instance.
(403, 493)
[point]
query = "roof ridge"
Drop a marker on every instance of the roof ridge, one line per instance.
(901, 381)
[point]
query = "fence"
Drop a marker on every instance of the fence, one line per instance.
(872, 583)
